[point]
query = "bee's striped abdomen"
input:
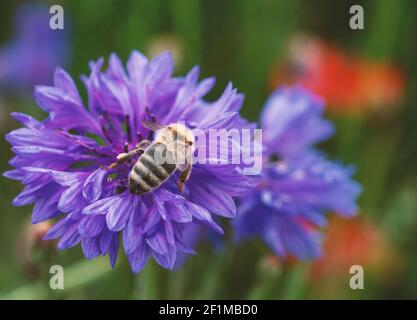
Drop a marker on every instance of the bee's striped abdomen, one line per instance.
(147, 174)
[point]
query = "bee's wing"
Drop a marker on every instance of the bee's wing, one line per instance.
(154, 126)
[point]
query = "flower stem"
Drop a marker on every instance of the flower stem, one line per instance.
(146, 283)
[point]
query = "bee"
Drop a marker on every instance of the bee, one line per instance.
(172, 149)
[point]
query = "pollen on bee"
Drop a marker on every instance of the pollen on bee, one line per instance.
(120, 156)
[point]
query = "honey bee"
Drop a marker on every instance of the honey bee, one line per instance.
(172, 149)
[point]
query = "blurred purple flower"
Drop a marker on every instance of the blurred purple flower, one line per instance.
(34, 51)
(298, 185)
(60, 160)
(292, 121)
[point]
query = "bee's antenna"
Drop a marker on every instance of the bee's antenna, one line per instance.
(139, 136)
(128, 130)
(150, 114)
(152, 125)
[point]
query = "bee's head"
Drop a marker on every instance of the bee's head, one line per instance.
(180, 132)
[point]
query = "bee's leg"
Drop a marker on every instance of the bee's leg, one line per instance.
(123, 157)
(184, 176)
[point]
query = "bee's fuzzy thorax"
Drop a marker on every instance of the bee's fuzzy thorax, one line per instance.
(175, 132)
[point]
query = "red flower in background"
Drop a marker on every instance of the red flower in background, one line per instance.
(356, 241)
(348, 242)
(347, 83)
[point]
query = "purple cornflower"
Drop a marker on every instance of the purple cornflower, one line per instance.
(63, 161)
(298, 185)
(34, 51)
